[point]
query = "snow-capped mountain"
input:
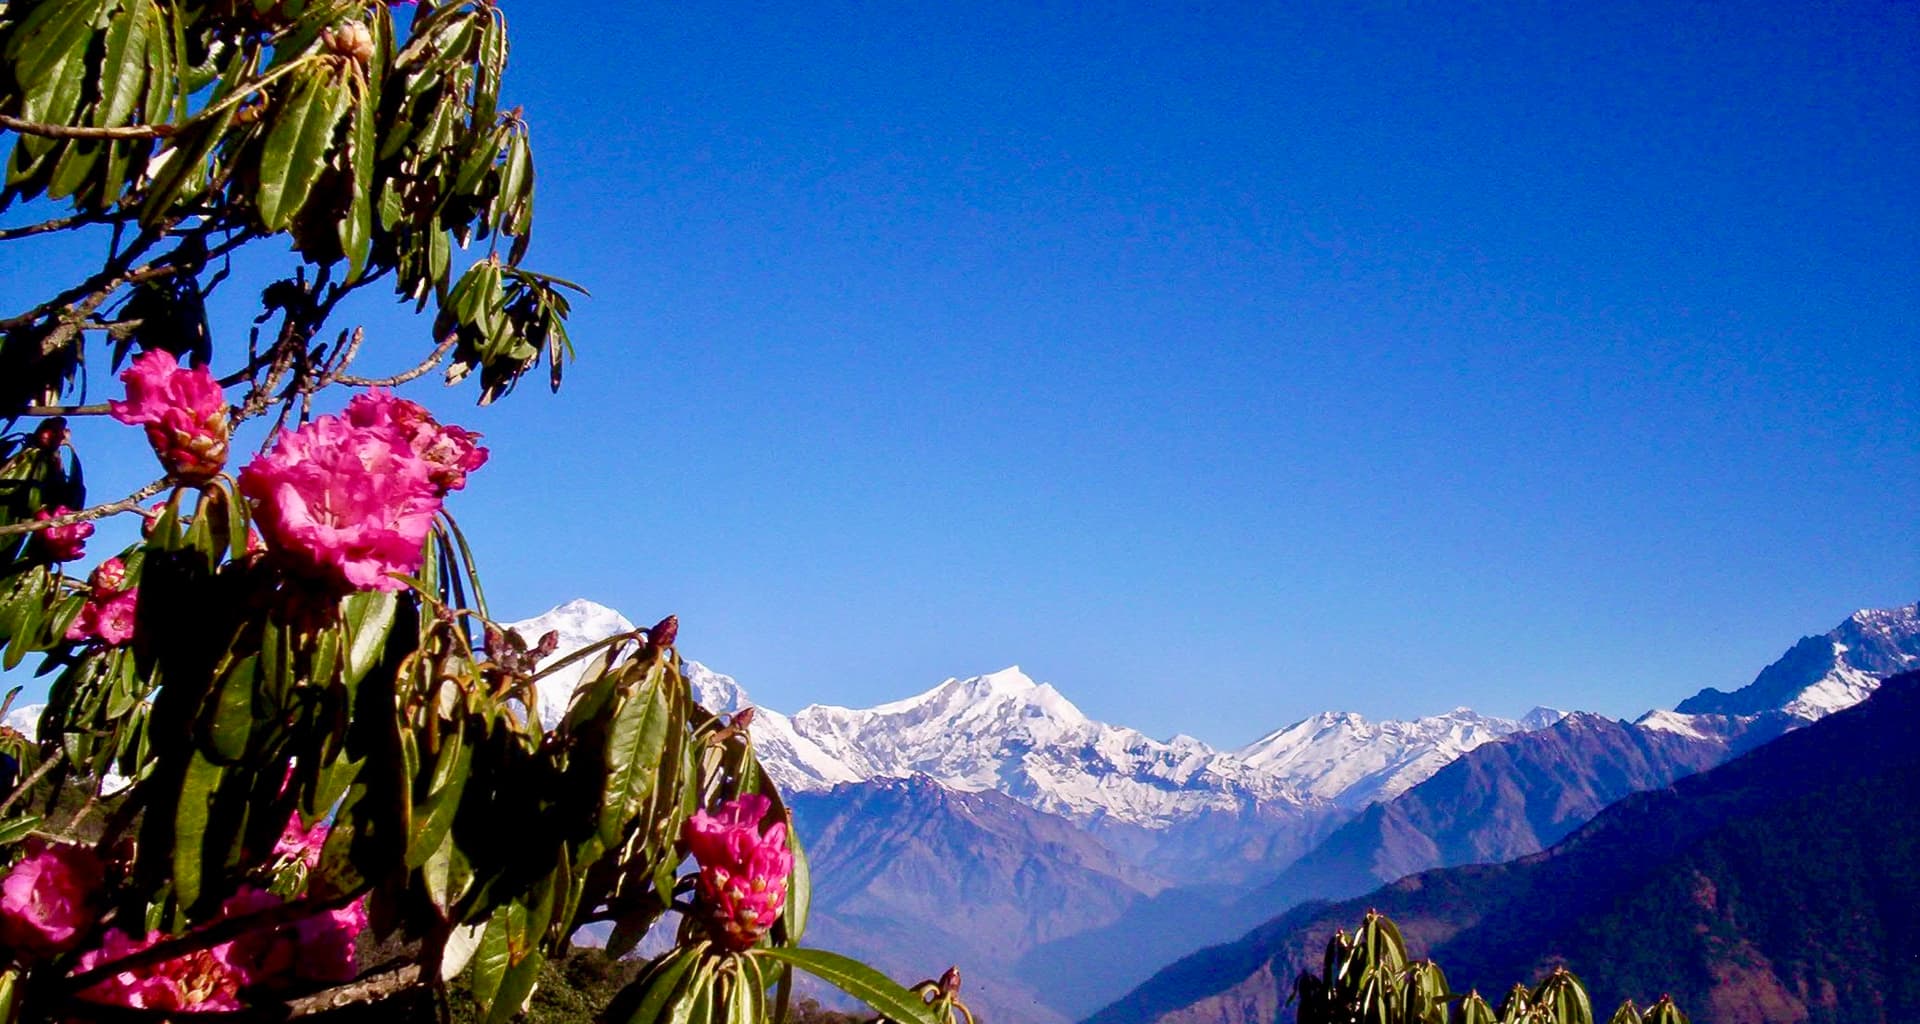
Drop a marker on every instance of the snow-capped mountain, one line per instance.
(1005, 732)
(1342, 757)
(1814, 678)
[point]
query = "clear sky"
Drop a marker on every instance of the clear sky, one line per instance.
(1218, 363)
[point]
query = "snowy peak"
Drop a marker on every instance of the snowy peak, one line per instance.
(1343, 757)
(1822, 674)
(577, 623)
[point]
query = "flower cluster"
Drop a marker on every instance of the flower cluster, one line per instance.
(743, 869)
(319, 948)
(346, 501)
(108, 614)
(63, 543)
(184, 411)
(448, 451)
(47, 900)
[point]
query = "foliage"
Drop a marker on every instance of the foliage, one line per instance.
(340, 798)
(1367, 978)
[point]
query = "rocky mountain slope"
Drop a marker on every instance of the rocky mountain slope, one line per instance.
(1501, 800)
(1776, 888)
(913, 876)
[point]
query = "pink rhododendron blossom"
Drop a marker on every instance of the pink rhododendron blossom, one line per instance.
(319, 948)
(449, 450)
(203, 981)
(743, 870)
(315, 948)
(343, 505)
(184, 411)
(48, 898)
(63, 543)
(302, 844)
(109, 576)
(108, 619)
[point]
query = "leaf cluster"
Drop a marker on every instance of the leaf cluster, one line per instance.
(1367, 978)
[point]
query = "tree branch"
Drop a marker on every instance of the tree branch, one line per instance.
(130, 503)
(63, 223)
(67, 131)
(52, 761)
(439, 352)
(68, 410)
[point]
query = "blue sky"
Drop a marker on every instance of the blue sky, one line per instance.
(1220, 364)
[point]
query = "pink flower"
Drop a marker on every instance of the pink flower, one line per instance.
(301, 844)
(47, 899)
(315, 948)
(63, 543)
(108, 619)
(108, 577)
(319, 948)
(203, 981)
(743, 870)
(343, 505)
(184, 411)
(449, 450)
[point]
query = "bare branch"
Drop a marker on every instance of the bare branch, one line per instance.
(67, 131)
(131, 503)
(63, 223)
(439, 352)
(68, 410)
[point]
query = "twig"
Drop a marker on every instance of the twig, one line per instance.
(62, 223)
(38, 773)
(67, 131)
(68, 410)
(439, 352)
(130, 503)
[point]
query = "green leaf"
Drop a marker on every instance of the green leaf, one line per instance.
(368, 615)
(799, 889)
(647, 998)
(190, 825)
(356, 228)
(857, 980)
(232, 722)
(491, 961)
(516, 988)
(16, 829)
(434, 813)
(296, 146)
(123, 68)
(634, 745)
(695, 1002)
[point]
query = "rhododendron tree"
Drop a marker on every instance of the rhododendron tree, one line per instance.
(289, 762)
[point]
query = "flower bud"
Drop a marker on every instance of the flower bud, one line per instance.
(51, 433)
(184, 411)
(351, 40)
(63, 543)
(664, 632)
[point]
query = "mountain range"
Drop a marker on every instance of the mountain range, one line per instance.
(1779, 887)
(1172, 845)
